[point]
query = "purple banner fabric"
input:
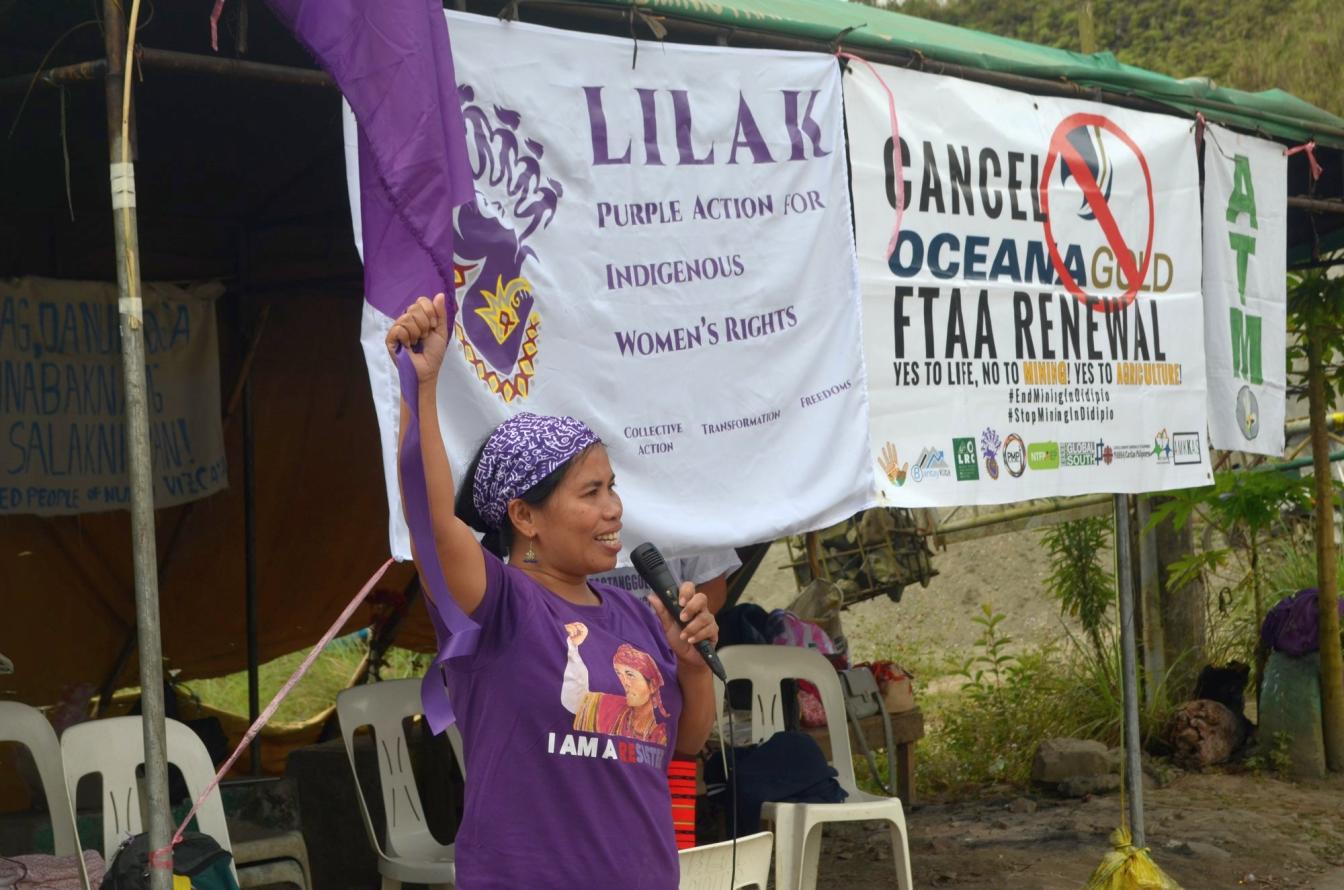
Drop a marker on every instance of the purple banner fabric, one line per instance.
(456, 632)
(393, 61)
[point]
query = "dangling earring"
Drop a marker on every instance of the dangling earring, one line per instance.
(530, 557)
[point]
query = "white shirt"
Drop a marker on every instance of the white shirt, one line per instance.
(696, 569)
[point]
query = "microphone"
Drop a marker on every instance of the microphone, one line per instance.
(653, 569)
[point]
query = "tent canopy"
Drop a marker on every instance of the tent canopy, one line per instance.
(1272, 112)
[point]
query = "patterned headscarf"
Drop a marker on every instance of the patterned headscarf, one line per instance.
(634, 659)
(521, 452)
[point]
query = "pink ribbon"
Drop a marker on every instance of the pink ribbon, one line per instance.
(895, 148)
(214, 24)
(163, 857)
(1310, 148)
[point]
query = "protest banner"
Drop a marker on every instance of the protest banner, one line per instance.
(63, 449)
(665, 252)
(1245, 290)
(1036, 330)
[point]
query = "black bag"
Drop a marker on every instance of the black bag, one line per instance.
(198, 858)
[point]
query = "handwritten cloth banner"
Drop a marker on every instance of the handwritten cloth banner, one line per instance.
(666, 253)
(1035, 332)
(1245, 288)
(62, 400)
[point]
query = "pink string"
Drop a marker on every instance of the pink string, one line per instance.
(163, 857)
(895, 148)
(1310, 148)
(214, 24)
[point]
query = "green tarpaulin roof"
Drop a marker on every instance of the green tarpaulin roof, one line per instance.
(1274, 113)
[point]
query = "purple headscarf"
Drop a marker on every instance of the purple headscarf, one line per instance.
(521, 452)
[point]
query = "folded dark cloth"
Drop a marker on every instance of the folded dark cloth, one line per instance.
(788, 767)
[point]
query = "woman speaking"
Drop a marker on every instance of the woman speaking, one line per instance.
(576, 694)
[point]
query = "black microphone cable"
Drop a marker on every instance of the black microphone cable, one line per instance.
(728, 745)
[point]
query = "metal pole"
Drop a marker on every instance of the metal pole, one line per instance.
(249, 520)
(1150, 606)
(139, 457)
(1129, 671)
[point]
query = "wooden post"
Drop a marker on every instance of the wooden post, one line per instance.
(1332, 660)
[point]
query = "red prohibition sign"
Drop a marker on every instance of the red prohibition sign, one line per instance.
(1061, 147)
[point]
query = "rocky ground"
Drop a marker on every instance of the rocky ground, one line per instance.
(1209, 830)
(1205, 830)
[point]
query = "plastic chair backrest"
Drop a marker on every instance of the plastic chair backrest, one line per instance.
(385, 706)
(29, 727)
(115, 748)
(766, 668)
(709, 867)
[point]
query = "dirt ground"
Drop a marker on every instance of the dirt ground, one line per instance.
(1209, 830)
(1006, 571)
(1204, 830)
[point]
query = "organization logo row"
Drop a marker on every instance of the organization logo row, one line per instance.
(993, 455)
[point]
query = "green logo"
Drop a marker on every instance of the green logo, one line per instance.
(966, 460)
(1043, 455)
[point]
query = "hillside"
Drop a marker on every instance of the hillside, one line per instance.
(1294, 45)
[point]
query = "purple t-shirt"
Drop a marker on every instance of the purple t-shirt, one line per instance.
(568, 716)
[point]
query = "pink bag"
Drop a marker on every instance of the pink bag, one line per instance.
(787, 629)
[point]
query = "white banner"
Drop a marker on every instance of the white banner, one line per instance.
(664, 252)
(1033, 333)
(63, 434)
(1245, 289)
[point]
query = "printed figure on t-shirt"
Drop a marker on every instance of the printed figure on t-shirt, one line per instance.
(634, 713)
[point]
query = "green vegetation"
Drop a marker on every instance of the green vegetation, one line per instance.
(1294, 45)
(987, 733)
(330, 673)
(1078, 579)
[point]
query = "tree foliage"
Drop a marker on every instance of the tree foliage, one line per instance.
(1078, 578)
(1294, 45)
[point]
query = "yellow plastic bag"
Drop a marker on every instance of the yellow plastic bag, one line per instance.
(1127, 867)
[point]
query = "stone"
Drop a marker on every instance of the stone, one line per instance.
(1061, 760)
(1082, 786)
(1022, 806)
(1207, 851)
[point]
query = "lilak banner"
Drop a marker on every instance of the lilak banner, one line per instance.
(665, 252)
(1036, 330)
(1245, 289)
(63, 403)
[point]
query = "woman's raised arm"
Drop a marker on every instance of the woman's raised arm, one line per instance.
(426, 324)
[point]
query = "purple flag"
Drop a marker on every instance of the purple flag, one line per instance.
(393, 61)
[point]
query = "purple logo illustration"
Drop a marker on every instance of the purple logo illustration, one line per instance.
(498, 321)
(990, 443)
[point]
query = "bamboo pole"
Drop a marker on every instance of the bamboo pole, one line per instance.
(139, 456)
(1332, 660)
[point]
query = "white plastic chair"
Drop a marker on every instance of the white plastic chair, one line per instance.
(115, 748)
(29, 727)
(711, 867)
(798, 826)
(410, 854)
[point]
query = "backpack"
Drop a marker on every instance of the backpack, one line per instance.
(198, 862)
